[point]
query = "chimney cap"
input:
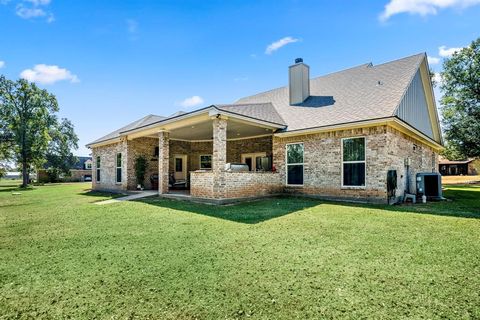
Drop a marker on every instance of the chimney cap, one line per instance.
(298, 60)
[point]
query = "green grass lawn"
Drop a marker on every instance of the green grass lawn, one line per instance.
(62, 256)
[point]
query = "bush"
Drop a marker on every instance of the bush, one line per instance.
(140, 170)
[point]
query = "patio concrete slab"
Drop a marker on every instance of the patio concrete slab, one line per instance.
(133, 196)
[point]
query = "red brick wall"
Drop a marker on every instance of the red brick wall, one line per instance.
(237, 184)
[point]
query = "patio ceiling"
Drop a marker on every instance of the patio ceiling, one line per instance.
(204, 131)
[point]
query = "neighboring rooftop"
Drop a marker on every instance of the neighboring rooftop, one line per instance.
(445, 161)
(80, 165)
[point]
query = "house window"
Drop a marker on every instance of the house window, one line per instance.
(206, 162)
(88, 165)
(156, 152)
(119, 168)
(295, 164)
(178, 164)
(353, 166)
(98, 168)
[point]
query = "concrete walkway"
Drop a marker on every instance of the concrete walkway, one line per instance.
(133, 196)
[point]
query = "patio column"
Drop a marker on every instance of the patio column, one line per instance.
(219, 157)
(163, 160)
(125, 167)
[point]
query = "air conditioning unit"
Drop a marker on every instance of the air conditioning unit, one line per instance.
(430, 185)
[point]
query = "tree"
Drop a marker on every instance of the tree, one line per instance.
(59, 155)
(27, 123)
(461, 101)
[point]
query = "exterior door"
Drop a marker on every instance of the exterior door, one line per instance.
(180, 165)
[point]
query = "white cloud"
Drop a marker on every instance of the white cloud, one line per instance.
(445, 52)
(433, 60)
(27, 13)
(422, 7)
(240, 79)
(48, 74)
(39, 2)
(29, 9)
(437, 77)
(278, 44)
(2, 64)
(191, 102)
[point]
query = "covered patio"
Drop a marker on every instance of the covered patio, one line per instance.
(193, 150)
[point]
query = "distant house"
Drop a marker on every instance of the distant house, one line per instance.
(469, 167)
(81, 171)
(334, 136)
(13, 175)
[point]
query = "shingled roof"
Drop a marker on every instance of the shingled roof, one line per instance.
(361, 93)
(260, 111)
(151, 118)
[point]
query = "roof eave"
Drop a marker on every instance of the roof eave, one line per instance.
(394, 122)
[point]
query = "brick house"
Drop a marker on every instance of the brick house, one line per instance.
(470, 167)
(333, 136)
(81, 171)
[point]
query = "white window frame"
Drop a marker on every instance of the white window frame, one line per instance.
(118, 167)
(98, 169)
(254, 156)
(200, 161)
(364, 161)
(291, 164)
(88, 166)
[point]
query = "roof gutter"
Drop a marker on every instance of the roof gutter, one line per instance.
(103, 142)
(216, 111)
(344, 125)
(394, 122)
(212, 111)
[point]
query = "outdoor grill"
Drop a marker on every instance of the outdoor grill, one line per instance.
(236, 167)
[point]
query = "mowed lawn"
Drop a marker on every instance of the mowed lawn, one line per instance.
(62, 256)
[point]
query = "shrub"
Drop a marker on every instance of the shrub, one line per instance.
(140, 170)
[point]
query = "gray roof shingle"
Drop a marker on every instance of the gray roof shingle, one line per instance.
(260, 111)
(360, 93)
(151, 118)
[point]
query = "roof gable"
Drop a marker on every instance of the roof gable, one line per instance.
(417, 107)
(413, 108)
(151, 118)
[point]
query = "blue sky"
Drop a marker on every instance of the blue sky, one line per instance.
(112, 62)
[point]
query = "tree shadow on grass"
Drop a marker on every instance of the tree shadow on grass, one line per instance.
(250, 212)
(462, 202)
(16, 188)
(101, 194)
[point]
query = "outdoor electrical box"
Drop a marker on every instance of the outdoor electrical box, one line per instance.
(430, 185)
(391, 185)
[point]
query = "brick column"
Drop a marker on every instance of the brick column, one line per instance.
(124, 163)
(219, 157)
(163, 160)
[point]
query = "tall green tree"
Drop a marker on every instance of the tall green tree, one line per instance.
(59, 152)
(461, 101)
(28, 121)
